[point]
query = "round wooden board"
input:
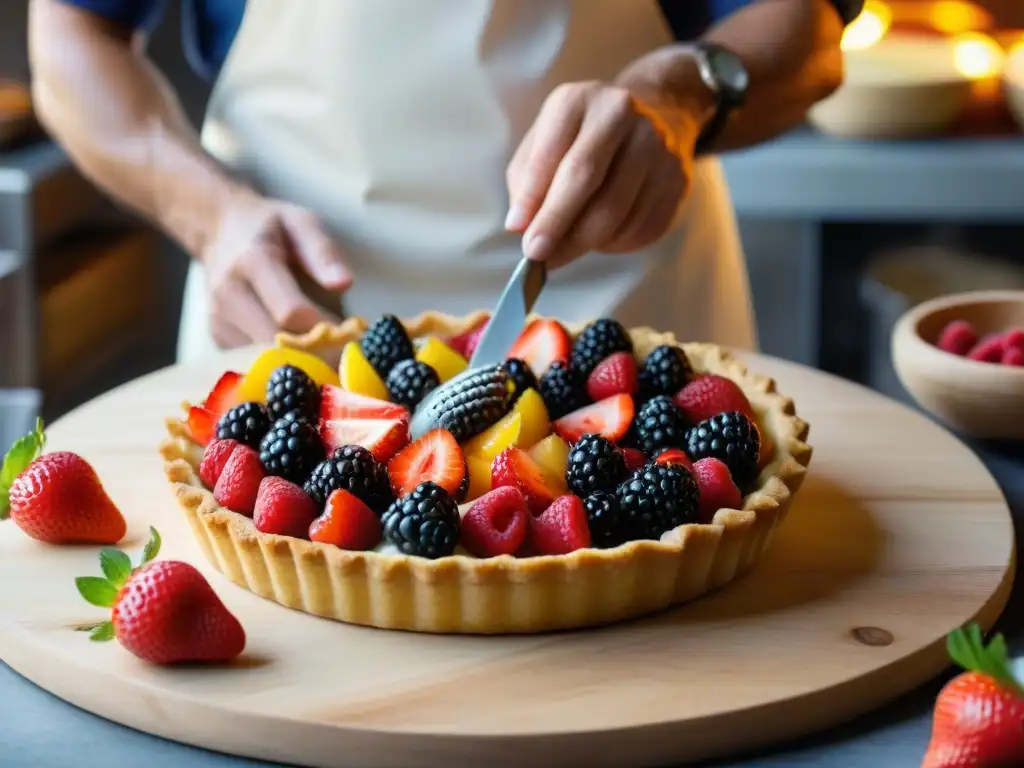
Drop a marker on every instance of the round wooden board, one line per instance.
(898, 535)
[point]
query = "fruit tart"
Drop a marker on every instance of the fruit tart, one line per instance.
(597, 474)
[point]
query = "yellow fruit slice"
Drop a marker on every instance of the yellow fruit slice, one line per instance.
(254, 385)
(443, 359)
(552, 455)
(357, 375)
(536, 425)
(496, 438)
(479, 477)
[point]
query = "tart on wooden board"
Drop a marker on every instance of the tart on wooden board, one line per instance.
(598, 475)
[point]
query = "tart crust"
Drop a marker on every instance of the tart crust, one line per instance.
(461, 594)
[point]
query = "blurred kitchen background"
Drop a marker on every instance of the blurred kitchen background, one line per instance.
(907, 184)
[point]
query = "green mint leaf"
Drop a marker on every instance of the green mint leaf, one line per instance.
(101, 633)
(97, 590)
(116, 566)
(152, 547)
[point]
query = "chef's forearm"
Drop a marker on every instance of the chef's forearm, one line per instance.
(791, 52)
(121, 123)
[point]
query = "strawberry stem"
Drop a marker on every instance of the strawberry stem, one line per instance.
(967, 648)
(25, 450)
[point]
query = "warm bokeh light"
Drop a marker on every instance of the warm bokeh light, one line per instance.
(978, 56)
(955, 17)
(868, 28)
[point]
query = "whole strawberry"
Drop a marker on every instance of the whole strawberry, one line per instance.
(710, 395)
(163, 612)
(615, 375)
(56, 498)
(979, 714)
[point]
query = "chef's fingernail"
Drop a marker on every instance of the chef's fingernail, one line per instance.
(538, 248)
(516, 218)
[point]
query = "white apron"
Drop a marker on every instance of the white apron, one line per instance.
(394, 120)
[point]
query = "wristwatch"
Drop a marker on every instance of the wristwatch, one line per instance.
(724, 73)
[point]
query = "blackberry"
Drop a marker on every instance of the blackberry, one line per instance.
(246, 422)
(666, 370)
(608, 526)
(386, 344)
(657, 498)
(410, 381)
(424, 522)
(354, 469)
(595, 464)
(733, 439)
(473, 404)
(291, 448)
(521, 376)
(597, 341)
(562, 390)
(290, 389)
(659, 424)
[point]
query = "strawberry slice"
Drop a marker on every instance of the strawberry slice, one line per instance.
(436, 456)
(226, 393)
(465, 343)
(202, 425)
(635, 458)
(609, 418)
(615, 375)
(513, 467)
(347, 523)
(340, 404)
(674, 456)
(381, 437)
(541, 344)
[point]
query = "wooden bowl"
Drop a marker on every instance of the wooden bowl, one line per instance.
(982, 400)
(1013, 84)
(902, 87)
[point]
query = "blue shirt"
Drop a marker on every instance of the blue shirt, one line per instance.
(210, 26)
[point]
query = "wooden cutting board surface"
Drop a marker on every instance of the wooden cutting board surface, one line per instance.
(898, 535)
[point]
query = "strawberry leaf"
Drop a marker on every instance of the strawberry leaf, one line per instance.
(967, 648)
(152, 548)
(97, 590)
(25, 450)
(99, 632)
(116, 566)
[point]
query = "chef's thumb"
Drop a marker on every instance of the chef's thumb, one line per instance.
(319, 254)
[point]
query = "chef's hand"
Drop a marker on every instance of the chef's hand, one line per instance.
(597, 172)
(252, 289)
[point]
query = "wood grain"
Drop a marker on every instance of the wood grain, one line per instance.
(898, 535)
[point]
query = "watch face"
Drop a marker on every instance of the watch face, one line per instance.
(729, 71)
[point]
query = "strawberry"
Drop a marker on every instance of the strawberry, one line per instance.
(465, 343)
(561, 528)
(283, 508)
(56, 498)
(542, 343)
(674, 456)
(496, 524)
(381, 437)
(337, 404)
(1013, 356)
(710, 395)
(717, 489)
(163, 612)
(615, 375)
(346, 523)
(609, 418)
(202, 419)
(436, 456)
(988, 350)
(635, 458)
(513, 467)
(979, 714)
(215, 457)
(957, 338)
(239, 482)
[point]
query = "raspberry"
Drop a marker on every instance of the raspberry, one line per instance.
(988, 350)
(283, 508)
(957, 338)
(1013, 356)
(214, 458)
(615, 375)
(717, 489)
(634, 457)
(710, 395)
(239, 483)
(674, 456)
(1014, 338)
(346, 523)
(496, 524)
(562, 528)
